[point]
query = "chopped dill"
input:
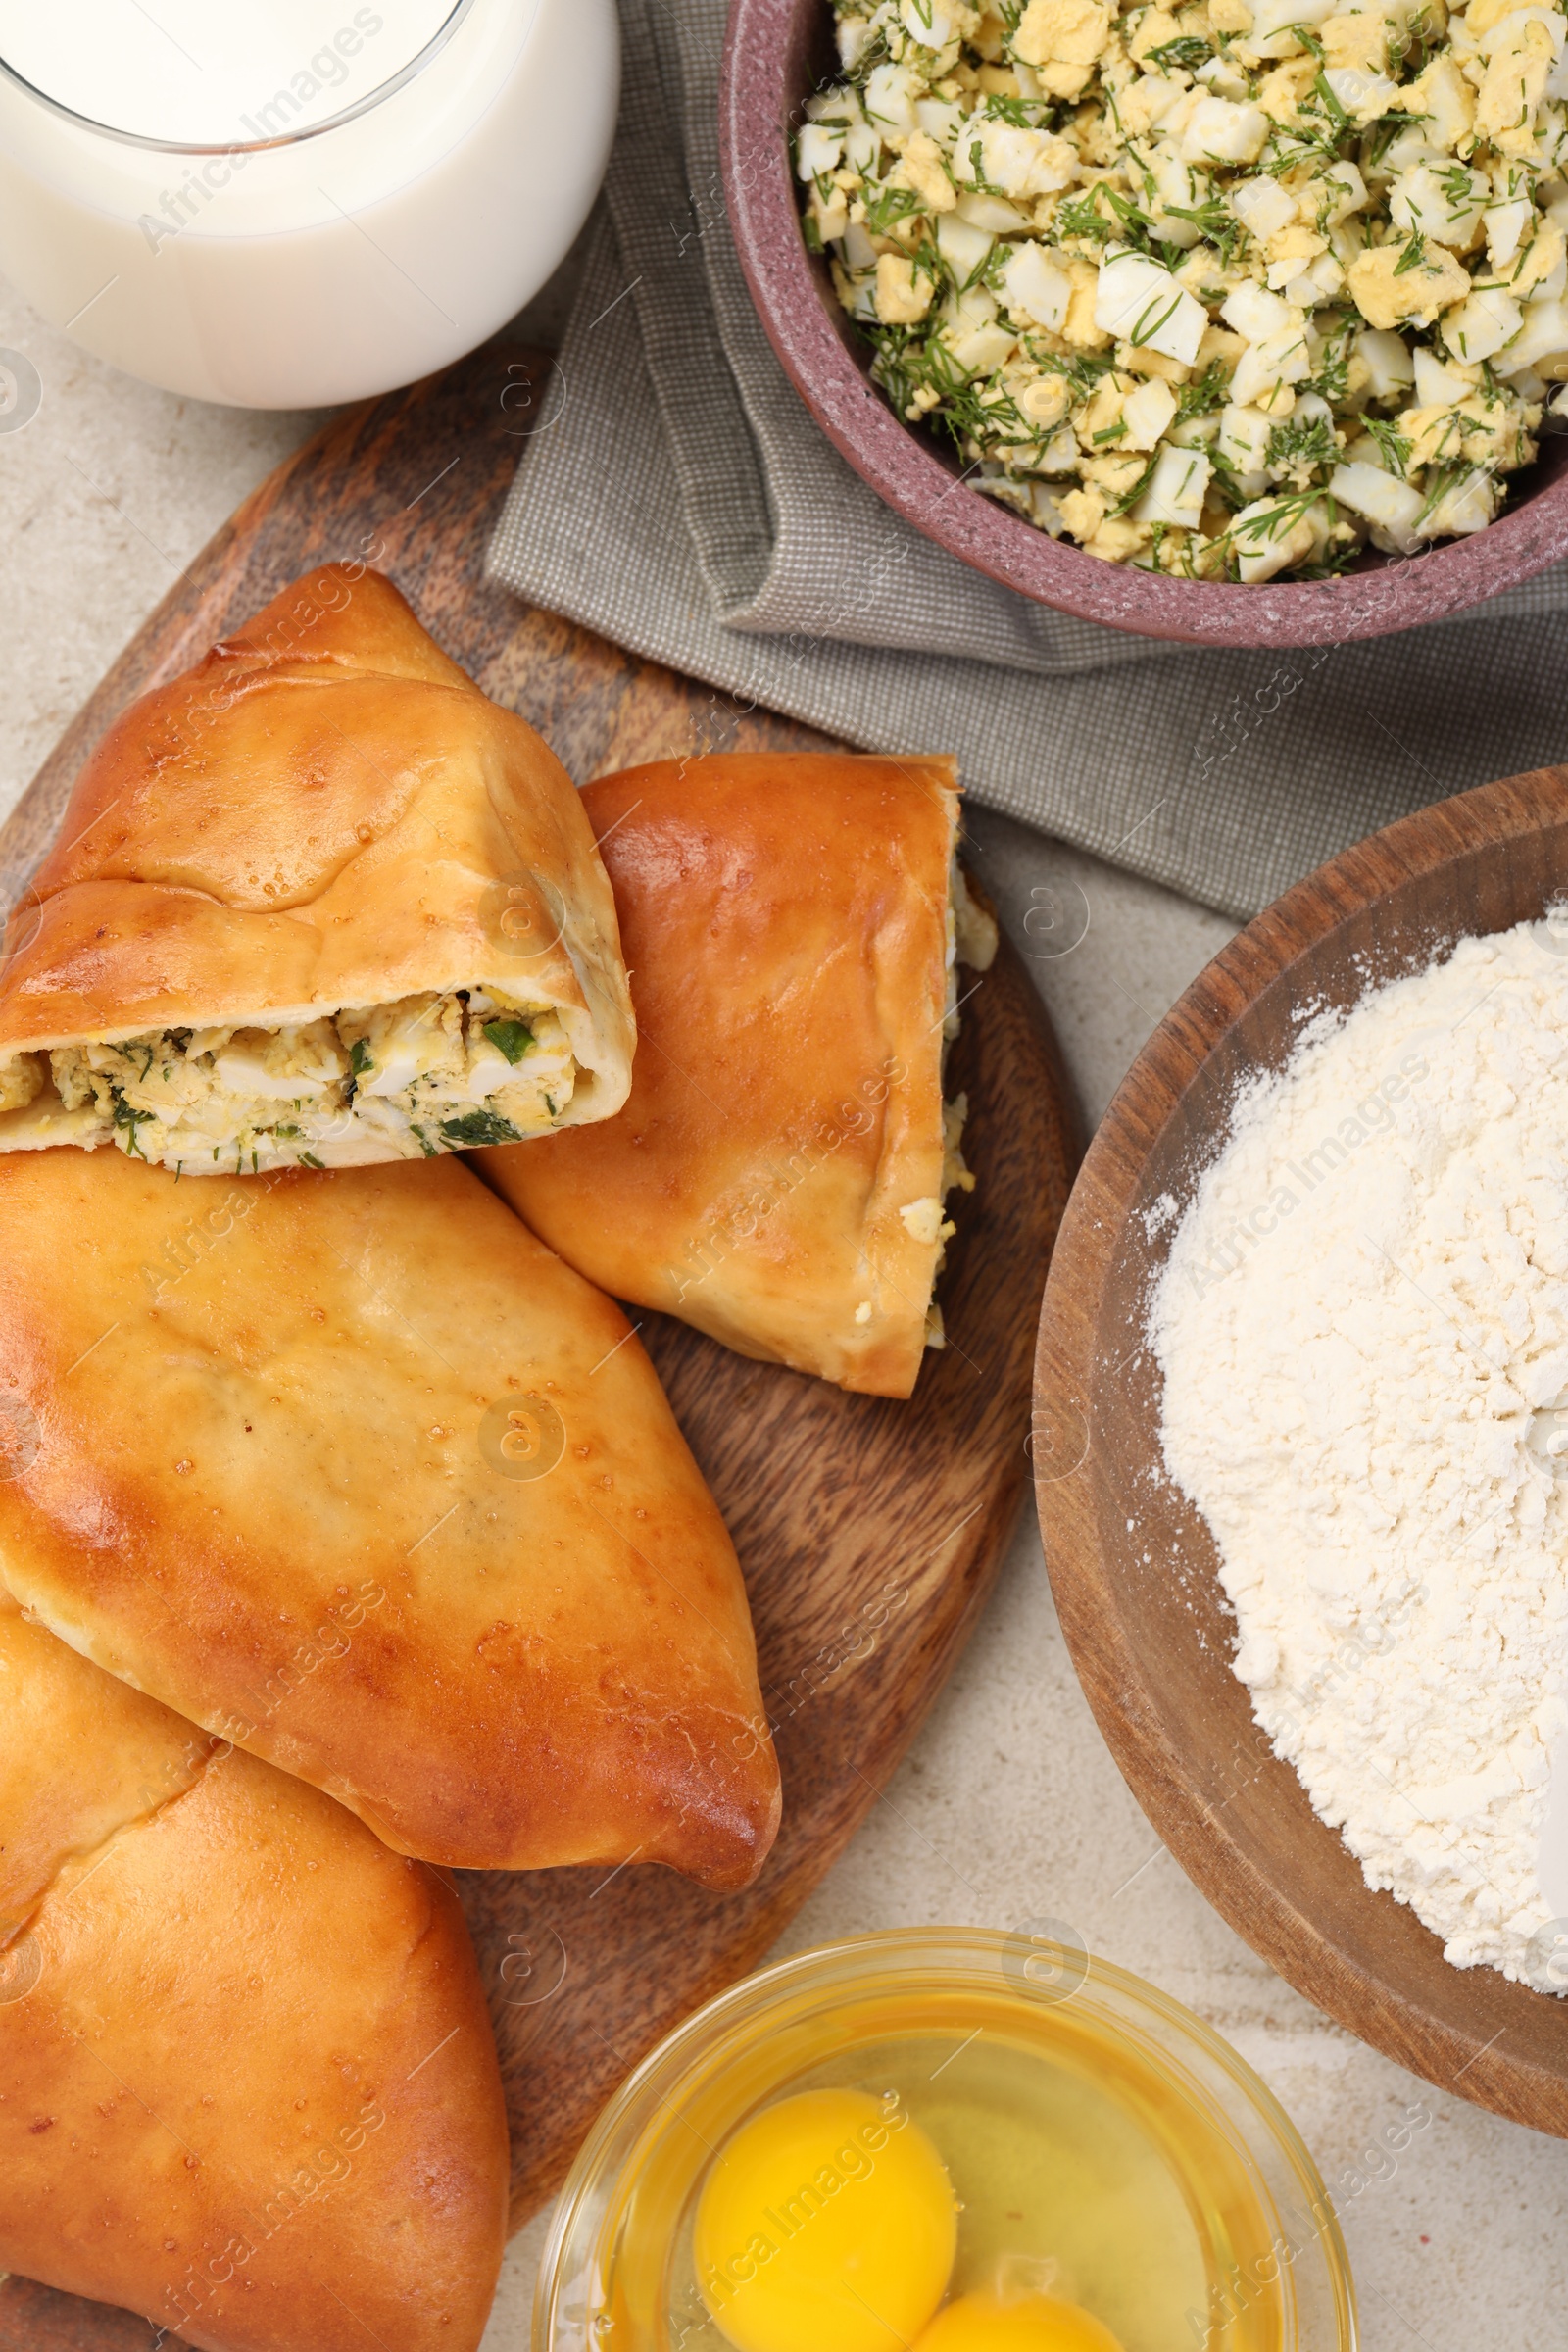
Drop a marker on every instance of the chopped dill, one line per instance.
(1081, 217)
(1187, 53)
(1203, 393)
(476, 1127)
(1383, 133)
(131, 1120)
(1274, 520)
(1022, 112)
(1335, 112)
(1131, 497)
(1300, 444)
(1215, 222)
(511, 1038)
(1332, 379)
(888, 207)
(1392, 443)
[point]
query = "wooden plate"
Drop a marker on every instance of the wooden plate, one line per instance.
(868, 1531)
(1152, 1643)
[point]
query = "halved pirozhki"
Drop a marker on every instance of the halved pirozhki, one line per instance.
(780, 1175)
(319, 903)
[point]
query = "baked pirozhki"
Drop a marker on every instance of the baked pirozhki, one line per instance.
(247, 2083)
(780, 1175)
(319, 902)
(351, 1469)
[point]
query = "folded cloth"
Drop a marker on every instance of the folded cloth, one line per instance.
(676, 496)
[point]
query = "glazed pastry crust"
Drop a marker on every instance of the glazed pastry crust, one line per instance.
(218, 1987)
(278, 1483)
(324, 814)
(785, 920)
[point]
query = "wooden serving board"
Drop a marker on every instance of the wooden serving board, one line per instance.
(868, 1531)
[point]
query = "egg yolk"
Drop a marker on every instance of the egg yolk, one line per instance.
(1033, 2324)
(827, 2225)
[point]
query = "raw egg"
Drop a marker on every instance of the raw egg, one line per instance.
(1031, 2323)
(827, 2225)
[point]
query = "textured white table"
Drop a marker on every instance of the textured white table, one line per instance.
(1009, 1806)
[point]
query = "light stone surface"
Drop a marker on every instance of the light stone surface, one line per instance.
(1009, 1807)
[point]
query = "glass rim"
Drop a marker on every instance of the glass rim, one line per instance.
(288, 138)
(937, 1953)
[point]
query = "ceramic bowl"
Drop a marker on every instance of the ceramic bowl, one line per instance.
(777, 53)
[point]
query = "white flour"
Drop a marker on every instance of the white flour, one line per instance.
(1364, 1330)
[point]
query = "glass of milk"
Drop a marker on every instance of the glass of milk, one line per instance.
(289, 203)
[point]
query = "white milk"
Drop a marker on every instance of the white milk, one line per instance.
(189, 74)
(285, 203)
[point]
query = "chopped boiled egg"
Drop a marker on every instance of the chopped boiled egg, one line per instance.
(1476, 330)
(1141, 303)
(1177, 489)
(21, 1082)
(1037, 290)
(1245, 205)
(1438, 386)
(923, 1221)
(1392, 506)
(283, 1065)
(425, 1074)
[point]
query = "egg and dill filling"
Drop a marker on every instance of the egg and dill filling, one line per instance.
(972, 940)
(1227, 289)
(429, 1075)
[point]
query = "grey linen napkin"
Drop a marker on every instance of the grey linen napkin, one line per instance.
(677, 497)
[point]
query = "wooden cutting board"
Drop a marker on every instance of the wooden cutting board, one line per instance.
(868, 1531)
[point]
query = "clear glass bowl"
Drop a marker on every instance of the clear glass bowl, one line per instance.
(1039, 2037)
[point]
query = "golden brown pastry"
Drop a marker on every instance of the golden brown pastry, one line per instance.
(318, 902)
(351, 1469)
(779, 1174)
(247, 2081)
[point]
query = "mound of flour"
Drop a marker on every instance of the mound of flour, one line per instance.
(1363, 1331)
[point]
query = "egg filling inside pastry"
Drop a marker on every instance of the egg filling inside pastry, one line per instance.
(317, 902)
(432, 1073)
(971, 939)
